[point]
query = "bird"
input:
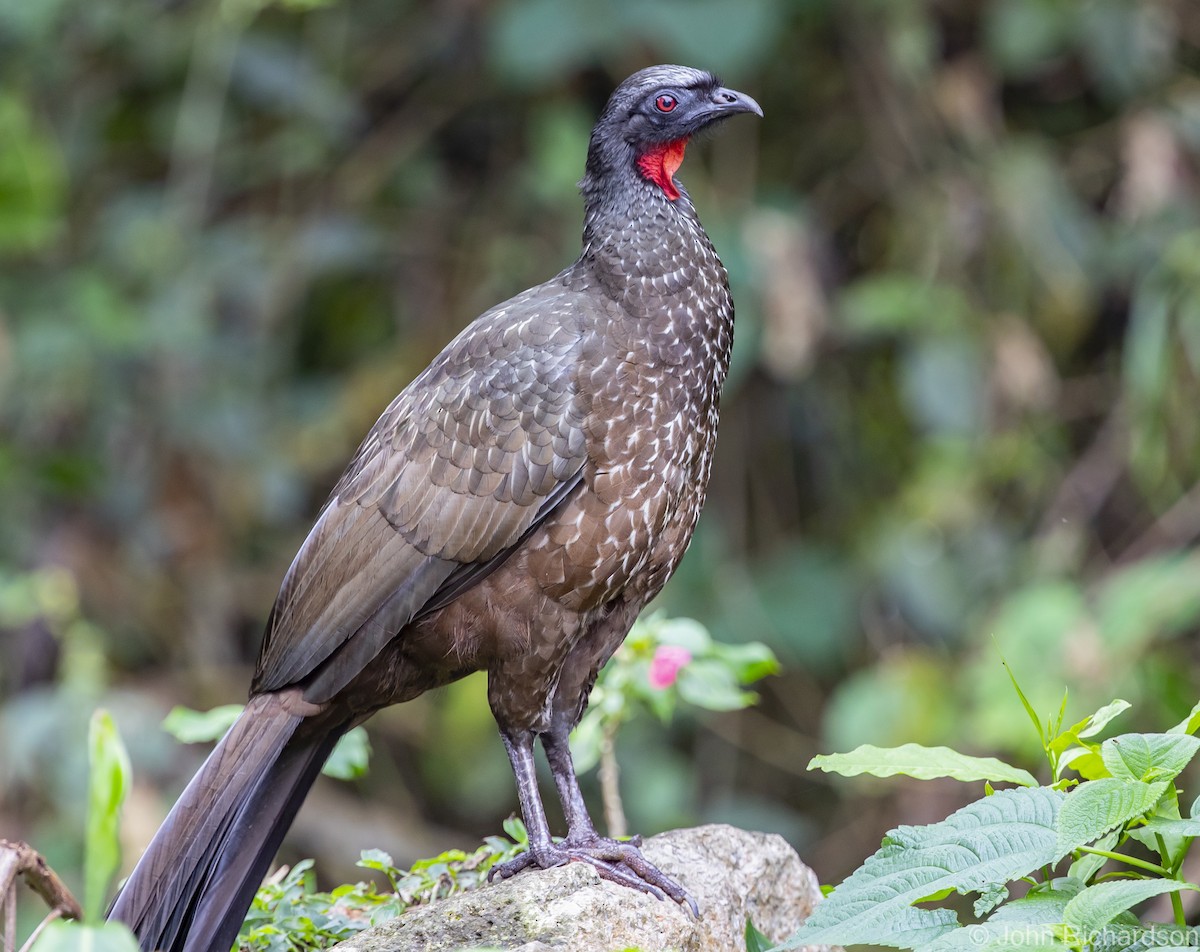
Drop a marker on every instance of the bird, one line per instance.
(511, 511)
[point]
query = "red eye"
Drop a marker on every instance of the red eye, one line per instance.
(665, 103)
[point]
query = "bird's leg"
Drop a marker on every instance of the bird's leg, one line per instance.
(542, 852)
(620, 861)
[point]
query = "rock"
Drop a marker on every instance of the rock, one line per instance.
(731, 873)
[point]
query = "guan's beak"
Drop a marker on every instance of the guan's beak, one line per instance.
(730, 101)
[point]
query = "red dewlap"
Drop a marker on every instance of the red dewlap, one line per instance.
(660, 164)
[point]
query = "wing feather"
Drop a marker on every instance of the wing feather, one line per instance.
(466, 461)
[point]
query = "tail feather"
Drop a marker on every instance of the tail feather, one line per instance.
(192, 887)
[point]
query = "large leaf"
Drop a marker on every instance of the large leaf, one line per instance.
(1042, 905)
(993, 841)
(1095, 907)
(923, 763)
(1148, 757)
(1168, 827)
(1159, 833)
(1154, 938)
(989, 936)
(1094, 808)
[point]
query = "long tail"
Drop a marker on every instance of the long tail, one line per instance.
(192, 887)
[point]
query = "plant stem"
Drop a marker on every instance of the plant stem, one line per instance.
(1129, 860)
(1177, 908)
(1176, 899)
(610, 785)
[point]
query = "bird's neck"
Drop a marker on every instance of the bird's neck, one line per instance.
(634, 210)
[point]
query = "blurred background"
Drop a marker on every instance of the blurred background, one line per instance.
(962, 419)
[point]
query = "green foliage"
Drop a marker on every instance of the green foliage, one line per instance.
(964, 249)
(924, 763)
(108, 782)
(979, 848)
(755, 940)
(1128, 794)
(290, 915)
(349, 760)
(32, 186)
(76, 937)
(664, 661)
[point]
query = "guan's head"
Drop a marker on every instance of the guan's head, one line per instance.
(649, 119)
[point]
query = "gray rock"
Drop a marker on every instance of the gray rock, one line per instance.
(731, 873)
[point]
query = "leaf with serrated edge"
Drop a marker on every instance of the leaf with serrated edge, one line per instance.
(1174, 827)
(1155, 937)
(923, 763)
(994, 840)
(1095, 807)
(989, 898)
(1098, 905)
(1042, 905)
(994, 936)
(1148, 757)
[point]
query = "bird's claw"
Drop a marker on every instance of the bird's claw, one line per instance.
(619, 862)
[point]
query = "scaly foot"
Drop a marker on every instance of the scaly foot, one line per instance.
(620, 862)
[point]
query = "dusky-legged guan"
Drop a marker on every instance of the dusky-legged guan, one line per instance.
(512, 511)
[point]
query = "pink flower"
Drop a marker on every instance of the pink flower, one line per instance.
(666, 665)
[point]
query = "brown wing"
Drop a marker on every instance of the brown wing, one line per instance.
(469, 457)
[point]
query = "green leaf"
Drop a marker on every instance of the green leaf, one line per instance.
(684, 632)
(350, 756)
(198, 727)
(514, 828)
(1042, 905)
(750, 662)
(1097, 906)
(995, 840)
(989, 898)
(1094, 808)
(1089, 864)
(76, 937)
(1148, 757)
(1084, 761)
(993, 936)
(1037, 721)
(1190, 724)
(1098, 721)
(1165, 827)
(33, 182)
(1027, 922)
(923, 763)
(376, 859)
(755, 940)
(1164, 840)
(108, 780)
(711, 685)
(1159, 936)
